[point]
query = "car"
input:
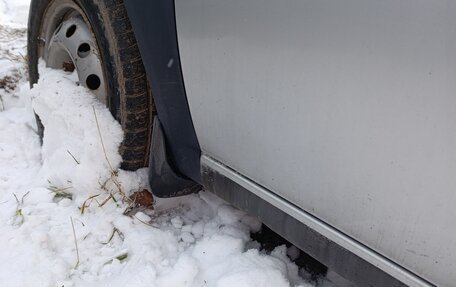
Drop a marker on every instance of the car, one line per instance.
(332, 121)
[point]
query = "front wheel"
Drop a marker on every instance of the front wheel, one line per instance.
(95, 38)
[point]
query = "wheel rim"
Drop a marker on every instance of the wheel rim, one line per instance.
(69, 44)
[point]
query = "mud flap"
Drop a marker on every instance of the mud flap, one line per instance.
(164, 181)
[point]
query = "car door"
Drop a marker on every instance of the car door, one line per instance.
(345, 109)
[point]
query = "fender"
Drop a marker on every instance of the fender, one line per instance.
(154, 26)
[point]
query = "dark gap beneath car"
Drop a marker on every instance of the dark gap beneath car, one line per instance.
(269, 240)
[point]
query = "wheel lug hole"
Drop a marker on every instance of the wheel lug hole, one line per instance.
(93, 82)
(83, 50)
(70, 31)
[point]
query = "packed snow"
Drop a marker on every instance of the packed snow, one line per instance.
(65, 214)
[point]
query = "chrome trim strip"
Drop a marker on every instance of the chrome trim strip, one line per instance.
(319, 226)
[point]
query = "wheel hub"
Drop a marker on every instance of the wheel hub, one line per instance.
(73, 46)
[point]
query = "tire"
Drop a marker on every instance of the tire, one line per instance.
(123, 75)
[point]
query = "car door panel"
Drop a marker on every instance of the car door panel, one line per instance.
(343, 108)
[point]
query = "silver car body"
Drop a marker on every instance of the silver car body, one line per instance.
(341, 113)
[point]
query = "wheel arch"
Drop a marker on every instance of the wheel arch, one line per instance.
(154, 26)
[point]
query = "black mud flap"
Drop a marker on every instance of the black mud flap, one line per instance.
(164, 181)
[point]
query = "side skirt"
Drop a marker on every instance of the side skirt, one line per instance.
(331, 247)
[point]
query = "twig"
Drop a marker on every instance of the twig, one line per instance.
(101, 139)
(75, 243)
(73, 157)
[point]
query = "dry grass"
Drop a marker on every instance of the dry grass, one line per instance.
(112, 186)
(19, 217)
(12, 42)
(8, 83)
(75, 243)
(60, 192)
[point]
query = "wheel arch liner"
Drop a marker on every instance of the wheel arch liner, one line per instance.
(154, 26)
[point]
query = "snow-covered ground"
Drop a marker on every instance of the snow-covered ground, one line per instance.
(64, 210)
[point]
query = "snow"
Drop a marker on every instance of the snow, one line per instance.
(14, 13)
(63, 219)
